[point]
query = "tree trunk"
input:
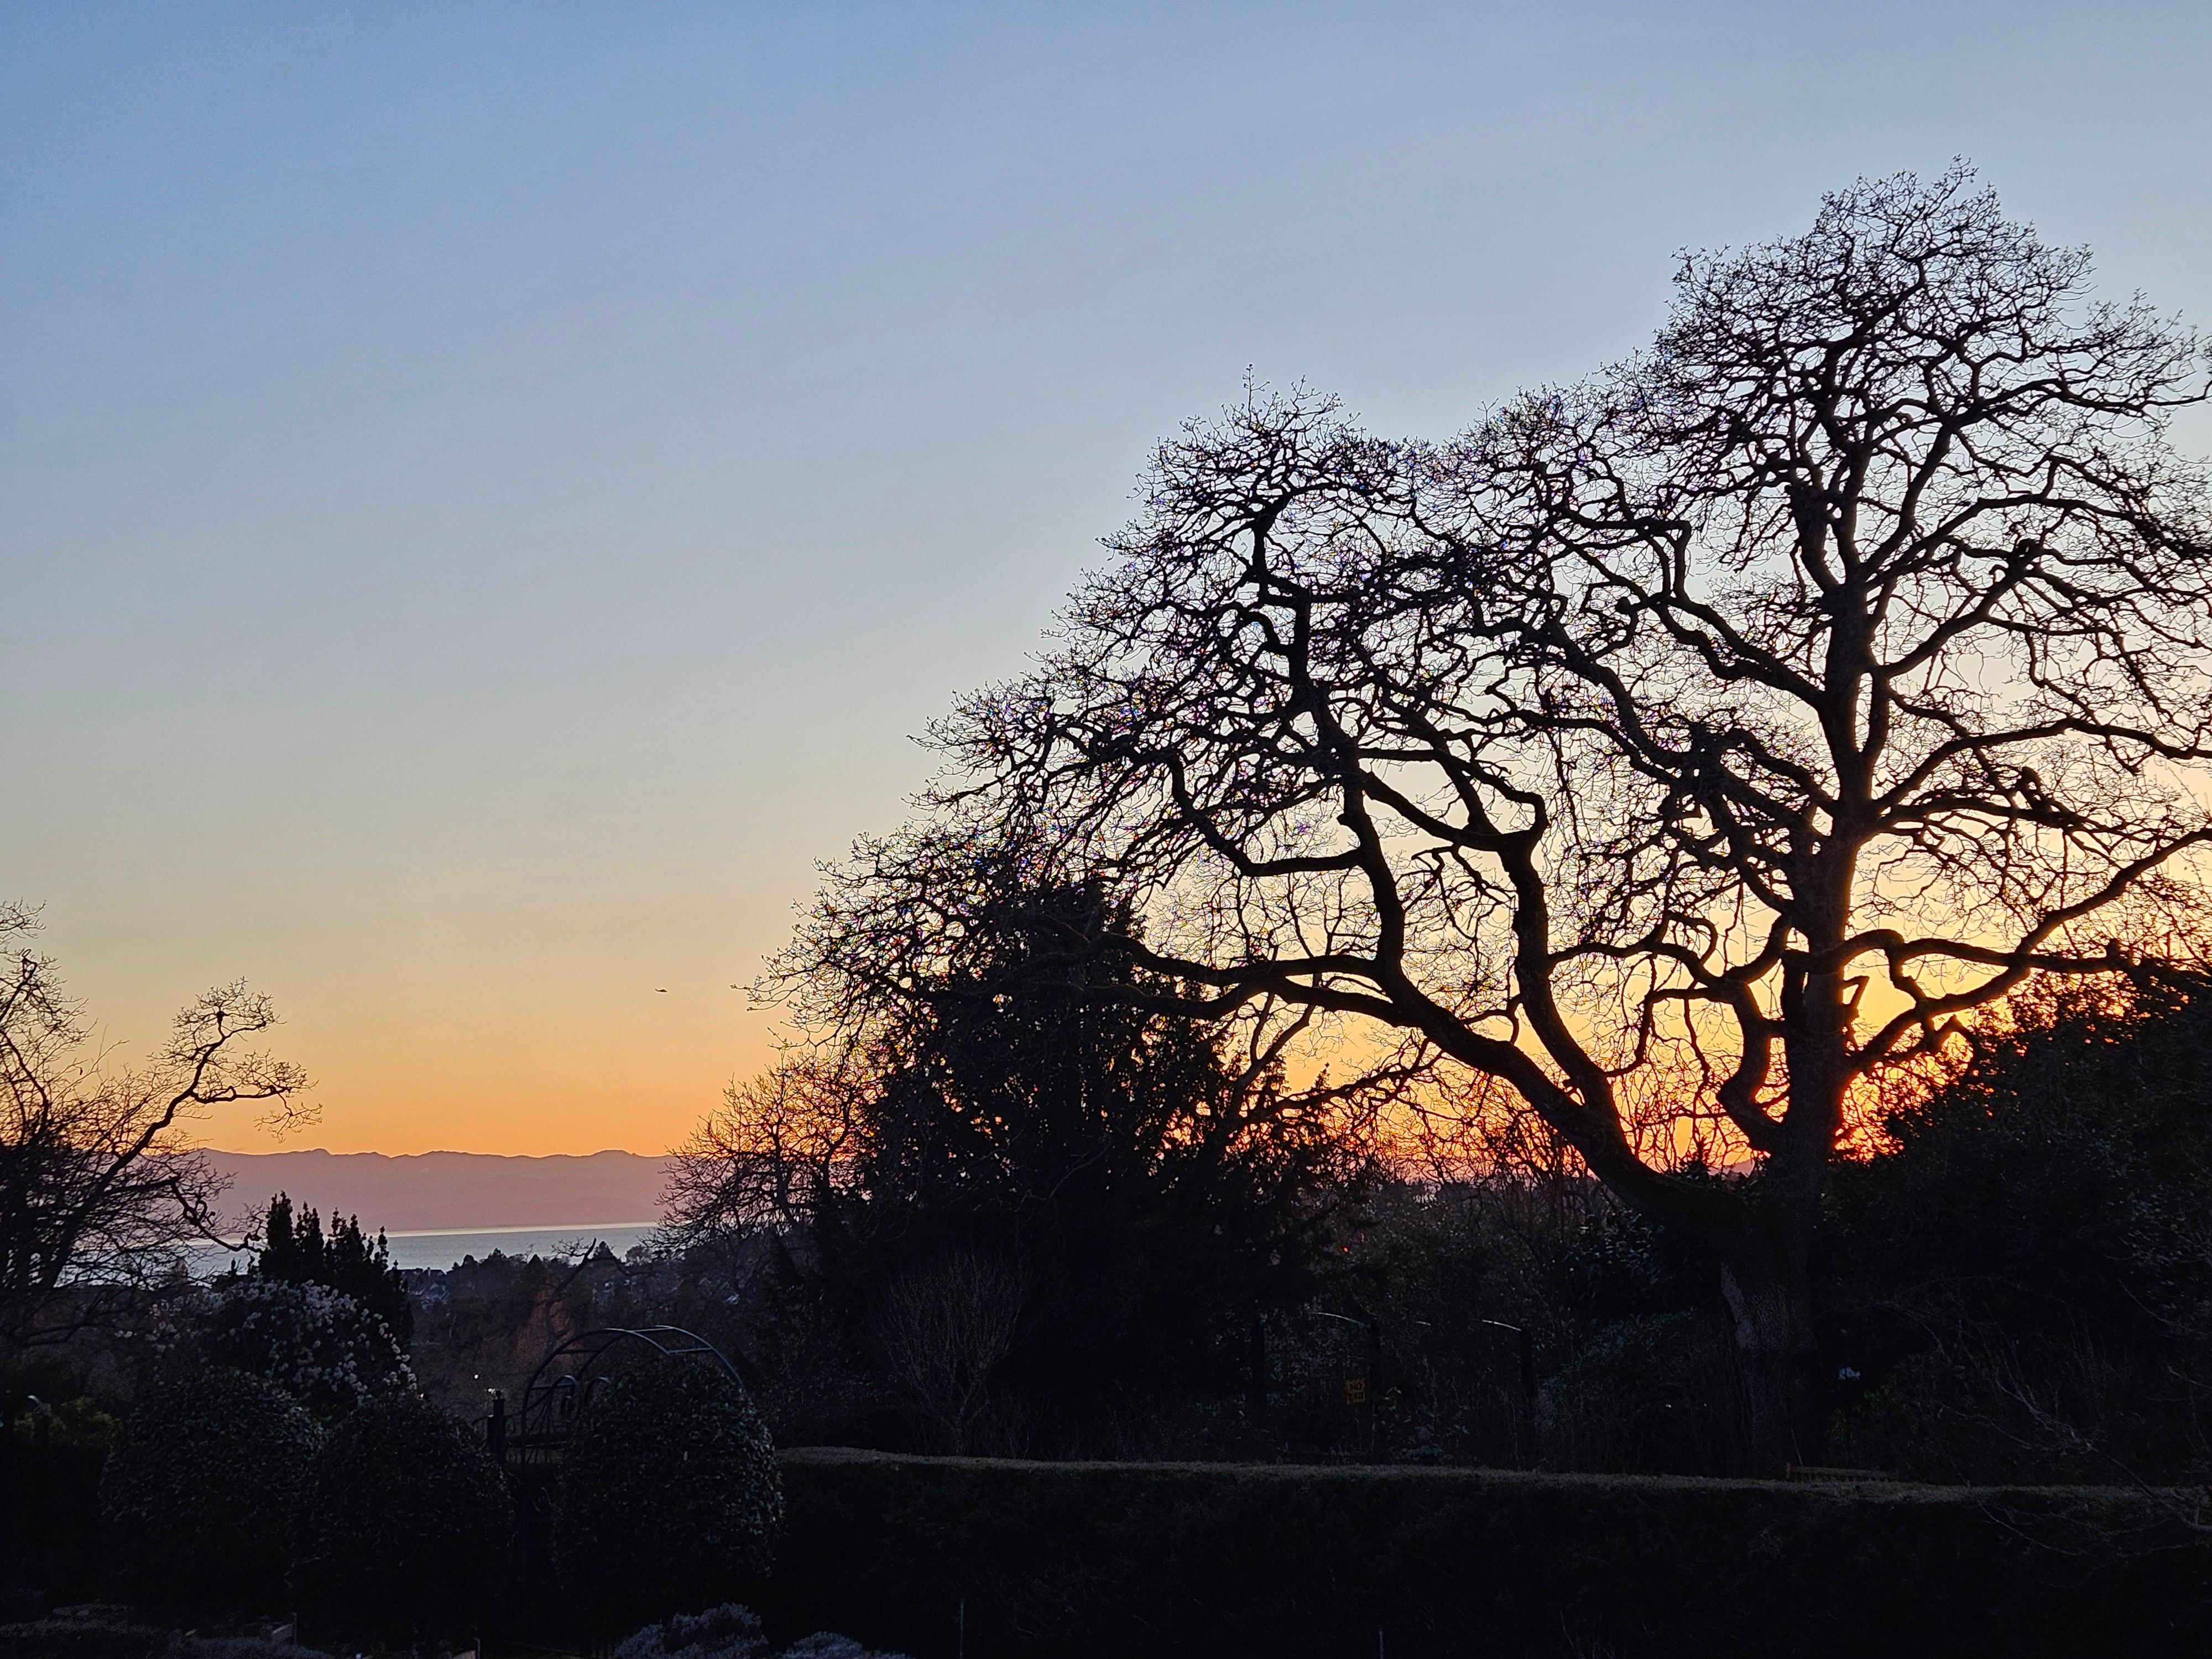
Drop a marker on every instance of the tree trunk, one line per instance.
(1774, 1308)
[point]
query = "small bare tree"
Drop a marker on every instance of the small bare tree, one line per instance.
(99, 1189)
(1676, 750)
(782, 1143)
(943, 1326)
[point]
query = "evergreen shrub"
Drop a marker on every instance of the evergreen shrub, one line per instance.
(199, 1495)
(407, 1526)
(669, 1498)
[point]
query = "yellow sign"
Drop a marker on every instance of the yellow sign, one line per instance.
(1355, 1390)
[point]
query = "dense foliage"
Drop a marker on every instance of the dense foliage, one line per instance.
(669, 1497)
(294, 1251)
(1177, 1561)
(406, 1528)
(1151, 1195)
(201, 1492)
(50, 1526)
(2023, 1278)
(1043, 1203)
(319, 1345)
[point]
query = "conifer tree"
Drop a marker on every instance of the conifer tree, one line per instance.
(296, 1252)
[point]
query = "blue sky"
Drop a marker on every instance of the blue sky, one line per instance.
(487, 492)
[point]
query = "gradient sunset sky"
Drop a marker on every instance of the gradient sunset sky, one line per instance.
(486, 492)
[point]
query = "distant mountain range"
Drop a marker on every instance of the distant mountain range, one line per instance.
(450, 1192)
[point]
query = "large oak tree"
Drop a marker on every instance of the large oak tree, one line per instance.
(1698, 741)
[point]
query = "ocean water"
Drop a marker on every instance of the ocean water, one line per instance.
(445, 1250)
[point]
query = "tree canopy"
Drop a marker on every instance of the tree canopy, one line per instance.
(1039, 1124)
(1675, 749)
(294, 1250)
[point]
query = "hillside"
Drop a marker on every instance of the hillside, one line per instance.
(452, 1191)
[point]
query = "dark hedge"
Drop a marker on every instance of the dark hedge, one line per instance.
(406, 1528)
(669, 1498)
(199, 1495)
(50, 1529)
(113, 1634)
(99, 1632)
(1075, 1560)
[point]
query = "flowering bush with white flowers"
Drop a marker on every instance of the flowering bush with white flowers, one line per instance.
(732, 1631)
(318, 1345)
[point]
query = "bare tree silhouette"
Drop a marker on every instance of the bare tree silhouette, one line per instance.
(782, 1142)
(942, 1326)
(1686, 746)
(98, 1186)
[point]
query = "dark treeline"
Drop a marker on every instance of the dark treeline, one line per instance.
(1044, 1218)
(1036, 1210)
(1047, 1220)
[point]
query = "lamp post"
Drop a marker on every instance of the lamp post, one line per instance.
(495, 1428)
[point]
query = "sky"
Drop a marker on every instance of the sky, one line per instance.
(488, 494)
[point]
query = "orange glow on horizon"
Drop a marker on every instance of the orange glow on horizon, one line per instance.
(633, 1074)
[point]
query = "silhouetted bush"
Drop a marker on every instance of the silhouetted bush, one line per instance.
(199, 1494)
(1190, 1561)
(406, 1528)
(670, 1499)
(2020, 1284)
(1640, 1397)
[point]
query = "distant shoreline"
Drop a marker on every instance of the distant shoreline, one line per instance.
(431, 1193)
(442, 1249)
(548, 1227)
